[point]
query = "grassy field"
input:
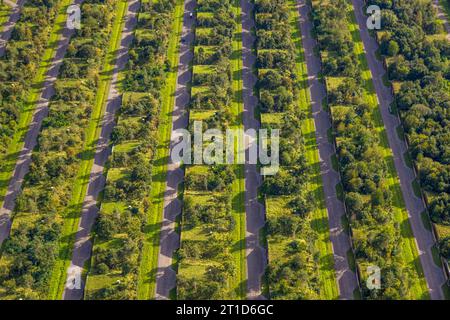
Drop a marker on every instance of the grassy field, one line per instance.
(92, 133)
(10, 157)
(409, 252)
(446, 6)
(4, 14)
(329, 289)
(277, 206)
(195, 268)
(149, 259)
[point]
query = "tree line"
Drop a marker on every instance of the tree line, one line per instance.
(293, 269)
(32, 248)
(420, 62)
(368, 198)
(121, 226)
(211, 256)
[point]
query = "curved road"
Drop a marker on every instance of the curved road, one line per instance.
(9, 25)
(425, 241)
(254, 210)
(24, 157)
(83, 244)
(170, 239)
(340, 240)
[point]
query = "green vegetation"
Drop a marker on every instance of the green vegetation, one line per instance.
(212, 253)
(149, 260)
(382, 235)
(23, 68)
(420, 73)
(301, 264)
(5, 11)
(46, 214)
(445, 4)
(91, 136)
(127, 223)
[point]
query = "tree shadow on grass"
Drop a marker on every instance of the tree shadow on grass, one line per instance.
(152, 228)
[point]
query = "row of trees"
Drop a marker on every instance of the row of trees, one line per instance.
(20, 63)
(218, 37)
(421, 63)
(207, 209)
(376, 235)
(293, 270)
(120, 231)
(31, 250)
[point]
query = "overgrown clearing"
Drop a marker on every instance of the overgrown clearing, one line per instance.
(149, 260)
(212, 255)
(129, 220)
(381, 231)
(91, 136)
(47, 212)
(301, 264)
(422, 98)
(25, 63)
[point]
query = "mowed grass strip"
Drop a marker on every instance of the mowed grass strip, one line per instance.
(9, 159)
(71, 220)
(409, 253)
(328, 282)
(150, 250)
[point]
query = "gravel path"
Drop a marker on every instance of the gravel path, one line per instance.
(254, 210)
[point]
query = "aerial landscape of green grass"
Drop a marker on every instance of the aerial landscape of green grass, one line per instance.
(309, 239)
(4, 14)
(423, 157)
(134, 148)
(72, 87)
(13, 143)
(91, 136)
(224, 200)
(315, 234)
(335, 83)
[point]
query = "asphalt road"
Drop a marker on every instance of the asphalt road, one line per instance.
(83, 245)
(415, 206)
(170, 239)
(9, 25)
(441, 15)
(340, 240)
(24, 157)
(254, 210)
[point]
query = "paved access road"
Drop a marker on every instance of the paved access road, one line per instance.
(340, 240)
(24, 157)
(254, 210)
(415, 206)
(8, 27)
(83, 244)
(441, 15)
(170, 239)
